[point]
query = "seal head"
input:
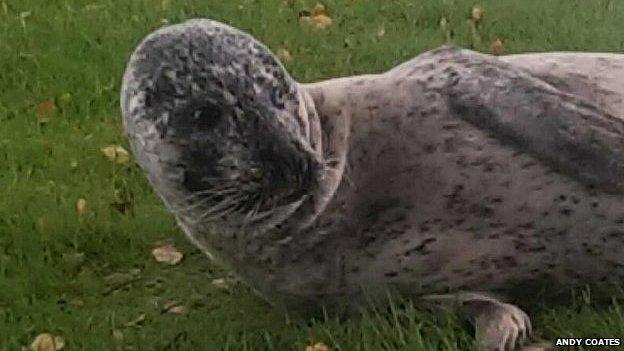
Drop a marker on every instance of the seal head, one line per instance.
(223, 132)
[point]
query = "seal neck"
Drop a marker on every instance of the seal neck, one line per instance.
(329, 122)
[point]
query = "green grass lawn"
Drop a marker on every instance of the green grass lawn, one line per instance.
(91, 278)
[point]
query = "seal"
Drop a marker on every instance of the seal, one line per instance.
(453, 176)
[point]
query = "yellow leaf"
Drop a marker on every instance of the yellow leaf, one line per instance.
(44, 110)
(319, 17)
(443, 23)
(284, 55)
(476, 14)
(497, 47)
(322, 21)
(174, 307)
(319, 346)
(381, 32)
(222, 283)
(168, 254)
(47, 342)
(319, 10)
(81, 206)
(116, 153)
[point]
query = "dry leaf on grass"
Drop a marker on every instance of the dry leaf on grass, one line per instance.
(167, 253)
(322, 21)
(224, 283)
(381, 32)
(44, 110)
(319, 10)
(319, 18)
(116, 153)
(284, 55)
(497, 47)
(138, 321)
(476, 14)
(177, 310)
(319, 346)
(47, 342)
(174, 307)
(81, 207)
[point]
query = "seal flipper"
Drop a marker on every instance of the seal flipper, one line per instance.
(569, 132)
(498, 325)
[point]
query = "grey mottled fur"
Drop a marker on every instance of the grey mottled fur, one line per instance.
(455, 171)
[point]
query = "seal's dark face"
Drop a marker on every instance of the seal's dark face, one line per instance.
(224, 106)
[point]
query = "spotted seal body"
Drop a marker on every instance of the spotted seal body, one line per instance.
(455, 171)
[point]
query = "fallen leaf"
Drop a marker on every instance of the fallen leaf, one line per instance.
(220, 283)
(318, 18)
(44, 110)
(319, 10)
(319, 346)
(381, 32)
(47, 342)
(177, 310)
(445, 29)
(443, 23)
(476, 14)
(23, 16)
(497, 47)
(137, 321)
(306, 20)
(224, 283)
(284, 55)
(81, 206)
(168, 254)
(169, 304)
(116, 153)
(322, 21)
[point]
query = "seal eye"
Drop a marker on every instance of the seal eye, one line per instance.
(207, 117)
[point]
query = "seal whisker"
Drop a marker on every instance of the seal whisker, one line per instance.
(222, 206)
(185, 209)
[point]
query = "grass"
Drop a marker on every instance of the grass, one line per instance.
(89, 278)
